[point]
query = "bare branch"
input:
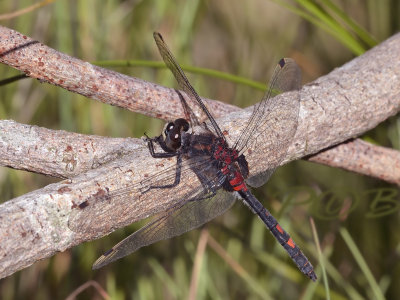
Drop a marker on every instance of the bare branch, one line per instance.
(59, 216)
(335, 108)
(386, 161)
(46, 64)
(57, 153)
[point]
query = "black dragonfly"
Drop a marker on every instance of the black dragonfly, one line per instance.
(222, 170)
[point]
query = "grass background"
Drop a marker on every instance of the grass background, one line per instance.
(245, 38)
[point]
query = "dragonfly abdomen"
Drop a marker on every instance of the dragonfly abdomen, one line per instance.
(280, 234)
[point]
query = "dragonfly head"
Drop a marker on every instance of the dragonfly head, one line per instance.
(172, 133)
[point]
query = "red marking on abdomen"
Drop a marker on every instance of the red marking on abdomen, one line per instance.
(291, 243)
(240, 187)
(236, 181)
(279, 228)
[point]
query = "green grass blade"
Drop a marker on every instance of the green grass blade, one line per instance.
(190, 69)
(351, 292)
(257, 288)
(321, 259)
(320, 20)
(339, 32)
(363, 34)
(170, 283)
(362, 263)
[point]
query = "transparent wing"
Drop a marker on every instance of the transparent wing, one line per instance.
(177, 220)
(183, 82)
(273, 122)
(201, 165)
(160, 178)
(260, 179)
(189, 114)
(286, 77)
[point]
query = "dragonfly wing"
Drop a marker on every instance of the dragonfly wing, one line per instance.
(178, 219)
(183, 82)
(189, 114)
(260, 179)
(273, 123)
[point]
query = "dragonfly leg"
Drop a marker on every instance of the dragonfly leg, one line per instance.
(160, 141)
(177, 176)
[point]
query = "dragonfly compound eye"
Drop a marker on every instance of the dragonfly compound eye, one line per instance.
(182, 124)
(169, 127)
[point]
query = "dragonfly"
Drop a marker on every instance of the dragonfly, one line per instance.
(221, 168)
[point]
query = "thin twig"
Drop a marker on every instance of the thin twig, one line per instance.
(25, 10)
(85, 286)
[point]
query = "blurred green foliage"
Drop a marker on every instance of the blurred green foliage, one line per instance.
(245, 38)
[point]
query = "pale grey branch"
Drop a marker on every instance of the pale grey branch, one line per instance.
(339, 106)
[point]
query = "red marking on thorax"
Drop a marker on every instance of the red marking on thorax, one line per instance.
(225, 170)
(217, 151)
(221, 154)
